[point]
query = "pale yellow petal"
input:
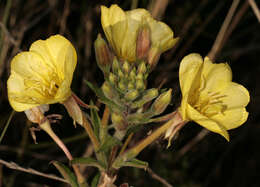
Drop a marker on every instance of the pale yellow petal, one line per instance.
(231, 119)
(209, 124)
(30, 65)
(216, 75)
(16, 90)
(235, 95)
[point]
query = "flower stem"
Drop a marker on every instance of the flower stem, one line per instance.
(47, 128)
(133, 152)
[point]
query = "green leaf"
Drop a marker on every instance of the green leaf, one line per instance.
(89, 162)
(109, 142)
(135, 163)
(103, 98)
(95, 120)
(95, 180)
(66, 173)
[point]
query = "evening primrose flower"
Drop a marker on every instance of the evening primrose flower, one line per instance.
(122, 28)
(43, 74)
(209, 97)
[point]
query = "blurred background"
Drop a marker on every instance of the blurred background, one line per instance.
(196, 157)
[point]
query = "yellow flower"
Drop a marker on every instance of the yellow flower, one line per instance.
(43, 74)
(121, 29)
(210, 98)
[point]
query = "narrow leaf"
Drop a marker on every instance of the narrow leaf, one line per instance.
(95, 120)
(89, 162)
(110, 142)
(135, 163)
(66, 173)
(95, 180)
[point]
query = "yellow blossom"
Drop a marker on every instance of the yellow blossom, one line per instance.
(43, 74)
(209, 97)
(121, 29)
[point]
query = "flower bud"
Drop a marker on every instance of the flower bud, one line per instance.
(126, 67)
(115, 65)
(142, 68)
(131, 95)
(133, 74)
(118, 121)
(139, 84)
(108, 90)
(161, 103)
(143, 42)
(148, 95)
(153, 57)
(103, 54)
(122, 86)
(112, 78)
(130, 86)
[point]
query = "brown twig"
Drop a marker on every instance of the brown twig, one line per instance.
(15, 166)
(157, 177)
(157, 8)
(64, 16)
(255, 9)
(215, 48)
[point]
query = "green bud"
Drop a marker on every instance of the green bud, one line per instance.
(142, 68)
(131, 95)
(108, 90)
(103, 54)
(120, 74)
(122, 86)
(112, 78)
(118, 121)
(126, 67)
(132, 74)
(148, 95)
(139, 84)
(161, 103)
(115, 65)
(140, 76)
(130, 86)
(143, 42)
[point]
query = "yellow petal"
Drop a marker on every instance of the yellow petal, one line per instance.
(16, 88)
(189, 76)
(231, 119)
(216, 75)
(209, 124)
(235, 95)
(53, 51)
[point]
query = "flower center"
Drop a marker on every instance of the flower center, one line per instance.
(210, 103)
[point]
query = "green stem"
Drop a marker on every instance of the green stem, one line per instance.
(133, 152)
(5, 18)
(7, 125)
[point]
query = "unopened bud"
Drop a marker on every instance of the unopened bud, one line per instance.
(131, 95)
(161, 103)
(143, 42)
(115, 65)
(130, 86)
(126, 67)
(148, 95)
(103, 54)
(120, 74)
(153, 57)
(112, 78)
(133, 73)
(122, 86)
(139, 84)
(108, 90)
(140, 76)
(118, 121)
(142, 68)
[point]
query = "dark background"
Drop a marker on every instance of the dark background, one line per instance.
(196, 158)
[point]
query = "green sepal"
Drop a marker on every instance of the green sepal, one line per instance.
(108, 143)
(95, 180)
(88, 161)
(147, 96)
(139, 118)
(103, 98)
(66, 173)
